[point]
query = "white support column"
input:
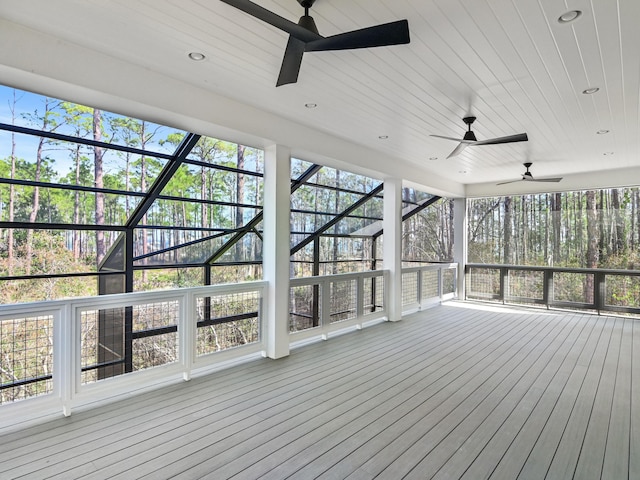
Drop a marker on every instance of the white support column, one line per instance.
(460, 239)
(65, 354)
(392, 245)
(275, 252)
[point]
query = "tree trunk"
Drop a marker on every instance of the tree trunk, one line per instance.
(203, 195)
(240, 199)
(451, 232)
(12, 193)
(127, 184)
(35, 205)
(603, 243)
(98, 153)
(593, 237)
(335, 228)
(76, 208)
(619, 240)
(556, 220)
(507, 230)
(143, 188)
(634, 219)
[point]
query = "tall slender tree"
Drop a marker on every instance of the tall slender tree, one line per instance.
(98, 154)
(12, 190)
(240, 159)
(47, 123)
(593, 240)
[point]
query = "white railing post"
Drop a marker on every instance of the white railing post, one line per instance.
(325, 309)
(360, 299)
(419, 289)
(187, 331)
(64, 356)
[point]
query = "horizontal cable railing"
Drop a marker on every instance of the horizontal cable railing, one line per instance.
(601, 290)
(428, 285)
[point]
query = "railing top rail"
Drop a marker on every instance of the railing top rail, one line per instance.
(436, 266)
(127, 299)
(340, 277)
(542, 268)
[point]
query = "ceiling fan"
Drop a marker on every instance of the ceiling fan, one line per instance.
(470, 139)
(304, 36)
(527, 177)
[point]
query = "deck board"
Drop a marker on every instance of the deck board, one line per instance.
(634, 448)
(591, 454)
(451, 457)
(462, 390)
(616, 454)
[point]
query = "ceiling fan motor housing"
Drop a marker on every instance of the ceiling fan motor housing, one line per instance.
(306, 3)
(307, 22)
(469, 135)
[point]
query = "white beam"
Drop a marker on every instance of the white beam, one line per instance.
(392, 245)
(277, 188)
(460, 238)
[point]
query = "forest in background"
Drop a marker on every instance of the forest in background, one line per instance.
(103, 186)
(79, 196)
(214, 194)
(585, 229)
(90, 190)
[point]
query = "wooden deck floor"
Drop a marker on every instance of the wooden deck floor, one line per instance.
(458, 391)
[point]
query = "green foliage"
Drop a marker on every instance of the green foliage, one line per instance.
(194, 187)
(552, 229)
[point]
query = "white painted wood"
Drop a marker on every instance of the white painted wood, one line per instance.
(277, 203)
(392, 245)
(508, 62)
(458, 391)
(634, 460)
(590, 461)
(460, 237)
(187, 341)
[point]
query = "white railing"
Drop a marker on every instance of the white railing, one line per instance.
(97, 348)
(81, 351)
(426, 286)
(325, 305)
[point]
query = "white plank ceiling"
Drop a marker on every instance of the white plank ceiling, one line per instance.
(510, 63)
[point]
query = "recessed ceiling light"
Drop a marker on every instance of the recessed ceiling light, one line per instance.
(602, 132)
(464, 172)
(590, 91)
(197, 56)
(311, 105)
(433, 158)
(383, 137)
(607, 153)
(570, 16)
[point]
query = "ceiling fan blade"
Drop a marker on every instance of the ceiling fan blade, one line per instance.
(458, 150)
(291, 62)
(519, 137)
(510, 181)
(277, 21)
(394, 33)
(553, 180)
(459, 140)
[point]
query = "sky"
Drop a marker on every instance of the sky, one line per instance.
(29, 105)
